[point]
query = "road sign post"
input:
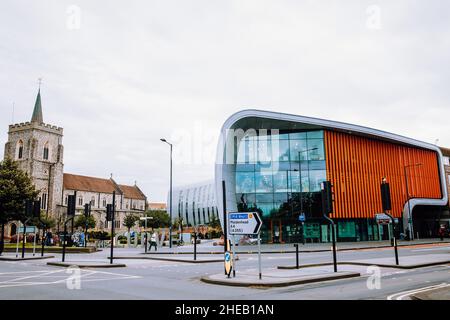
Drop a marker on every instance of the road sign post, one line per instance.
(245, 223)
(259, 256)
(233, 256)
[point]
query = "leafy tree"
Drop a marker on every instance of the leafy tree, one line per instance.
(44, 221)
(160, 219)
(129, 221)
(15, 187)
(215, 222)
(177, 222)
(83, 222)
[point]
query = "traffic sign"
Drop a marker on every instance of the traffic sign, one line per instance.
(301, 217)
(228, 263)
(29, 229)
(382, 218)
(241, 223)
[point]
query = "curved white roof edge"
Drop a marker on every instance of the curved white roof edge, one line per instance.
(336, 125)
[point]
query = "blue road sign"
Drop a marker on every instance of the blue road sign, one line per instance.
(301, 217)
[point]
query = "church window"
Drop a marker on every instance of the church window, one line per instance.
(66, 200)
(44, 201)
(93, 201)
(46, 151)
(104, 202)
(19, 152)
(80, 201)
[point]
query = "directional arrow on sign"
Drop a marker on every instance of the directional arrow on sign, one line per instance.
(258, 222)
(241, 223)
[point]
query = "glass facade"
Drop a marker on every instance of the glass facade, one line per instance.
(279, 176)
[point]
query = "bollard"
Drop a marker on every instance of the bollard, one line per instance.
(296, 256)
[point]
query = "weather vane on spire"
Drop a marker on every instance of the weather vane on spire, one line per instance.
(39, 82)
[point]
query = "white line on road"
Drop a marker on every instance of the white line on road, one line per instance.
(401, 295)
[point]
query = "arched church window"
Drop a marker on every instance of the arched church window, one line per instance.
(46, 156)
(19, 150)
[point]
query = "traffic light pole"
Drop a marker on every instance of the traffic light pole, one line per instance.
(333, 235)
(112, 227)
(394, 237)
(327, 208)
(65, 239)
(386, 204)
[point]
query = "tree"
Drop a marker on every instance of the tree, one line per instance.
(44, 221)
(160, 219)
(129, 221)
(83, 222)
(215, 223)
(15, 187)
(177, 223)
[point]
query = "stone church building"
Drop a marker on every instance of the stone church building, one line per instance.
(38, 149)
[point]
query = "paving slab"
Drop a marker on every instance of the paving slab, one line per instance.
(13, 258)
(184, 258)
(277, 278)
(405, 262)
(434, 294)
(86, 264)
(307, 248)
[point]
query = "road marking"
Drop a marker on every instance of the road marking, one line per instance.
(401, 295)
(45, 274)
(431, 249)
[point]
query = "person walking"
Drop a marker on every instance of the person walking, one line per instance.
(153, 242)
(441, 232)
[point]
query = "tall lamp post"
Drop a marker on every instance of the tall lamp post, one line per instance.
(170, 192)
(410, 224)
(301, 186)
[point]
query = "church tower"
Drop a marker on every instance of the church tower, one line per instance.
(38, 149)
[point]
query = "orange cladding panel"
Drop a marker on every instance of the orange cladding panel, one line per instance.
(356, 165)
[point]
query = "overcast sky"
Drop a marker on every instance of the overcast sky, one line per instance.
(119, 75)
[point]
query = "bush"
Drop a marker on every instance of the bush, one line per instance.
(99, 235)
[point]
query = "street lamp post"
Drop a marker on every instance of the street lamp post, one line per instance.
(301, 186)
(410, 224)
(170, 192)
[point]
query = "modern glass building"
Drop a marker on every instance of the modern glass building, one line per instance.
(195, 204)
(274, 164)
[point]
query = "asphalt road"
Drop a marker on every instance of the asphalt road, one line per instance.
(150, 279)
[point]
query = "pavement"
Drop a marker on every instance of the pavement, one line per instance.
(278, 278)
(182, 258)
(207, 247)
(441, 292)
(19, 258)
(405, 262)
(87, 264)
(157, 279)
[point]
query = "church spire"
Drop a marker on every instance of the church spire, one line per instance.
(37, 112)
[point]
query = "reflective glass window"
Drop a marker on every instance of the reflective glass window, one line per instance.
(266, 208)
(317, 154)
(296, 147)
(246, 150)
(317, 177)
(264, 197)
(264, 151)
(280, 150)
(249, 198)
(280, 197)
(264, 182)
(315, 134)
(245, 182)
(297, 136)
(294, 181)
(280, 181)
